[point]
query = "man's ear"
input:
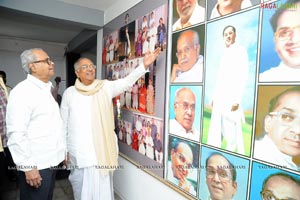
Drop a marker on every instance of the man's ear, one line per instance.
(77, 74)
(235, 187)
(267, 123)
(198, 48)
(172, 151)
(32, 67)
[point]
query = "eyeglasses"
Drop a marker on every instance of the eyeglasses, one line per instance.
(47, 60)
(285, 117)
(185, 50)
(187, 106)
(285, 33)
(268, 195)
(183, 159)
(222, 174)
(85, 67)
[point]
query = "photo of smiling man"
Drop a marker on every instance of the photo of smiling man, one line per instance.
(222, 176)
(183, 164)
(281, 42)
(279, 142)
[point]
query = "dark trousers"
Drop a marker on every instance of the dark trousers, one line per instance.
(10, 166)
(44, 192)
(2, 173)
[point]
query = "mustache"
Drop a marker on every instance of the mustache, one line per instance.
(184, 60)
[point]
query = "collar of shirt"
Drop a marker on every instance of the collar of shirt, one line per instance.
(180, 128)
(197, 17)
(275, 151)
(40, 84)
(287, 68)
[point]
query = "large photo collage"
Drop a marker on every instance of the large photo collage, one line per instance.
(217, 114)
(139, 117)
(234, 106)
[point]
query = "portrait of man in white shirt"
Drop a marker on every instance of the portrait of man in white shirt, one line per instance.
(281, 43)
(189, 12)
(185, 111)
(279, 141)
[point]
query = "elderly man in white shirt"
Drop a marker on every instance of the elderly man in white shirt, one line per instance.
(34, 127)
(91, 141)
(184, 108)
(281, 140)
(190, 64)
(189, 12)
(285, 24)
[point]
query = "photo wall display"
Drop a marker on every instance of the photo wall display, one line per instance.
(139, 111)
(217, 115)
(234, 99)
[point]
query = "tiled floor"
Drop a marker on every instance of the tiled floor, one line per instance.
(62, 190)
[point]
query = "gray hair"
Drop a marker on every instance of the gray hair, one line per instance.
(195, 36)
(178, 91)
(76, 65)
(28, 57)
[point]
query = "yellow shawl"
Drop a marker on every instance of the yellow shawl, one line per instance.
(6, 94)
(2, 84)
(102, 125)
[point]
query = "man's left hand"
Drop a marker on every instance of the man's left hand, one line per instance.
(150, 57)
(235, 107)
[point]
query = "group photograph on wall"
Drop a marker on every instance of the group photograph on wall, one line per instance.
(217, 114)
(242, 57)
(139, 116)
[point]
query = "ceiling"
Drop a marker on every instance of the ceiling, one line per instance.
(17, 24)
(95, 4)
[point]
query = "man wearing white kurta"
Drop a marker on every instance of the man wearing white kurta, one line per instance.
(88, 119)
(281, 138)
(227, 114)
(192, 75)
(266, 150)
(189, 66)
(184, 110)
(177, 129)
(280, 73)
(285, 25)
(188, 14)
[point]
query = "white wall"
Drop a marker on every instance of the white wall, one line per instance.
(131, 183)
(10, 50)
(118, 8)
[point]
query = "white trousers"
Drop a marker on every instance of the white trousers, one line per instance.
(89, 184)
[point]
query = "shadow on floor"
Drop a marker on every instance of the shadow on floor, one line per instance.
(62, 191)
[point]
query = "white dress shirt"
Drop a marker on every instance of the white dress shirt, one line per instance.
(177, 129)
(281, 73)
(197, 17)
(76, 111)
(138, 125)
(175, 181)
(266, 150)
(192, 75)
(34, 126)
